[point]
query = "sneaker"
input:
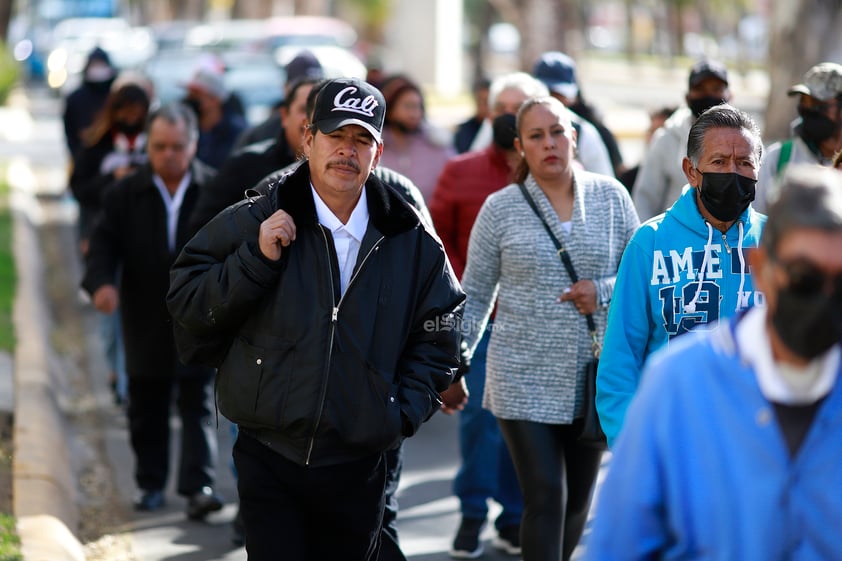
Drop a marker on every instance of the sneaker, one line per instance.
(508, 540)
(466, 544)
(149, 499)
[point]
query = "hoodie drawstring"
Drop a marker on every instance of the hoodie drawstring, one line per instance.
(742, 268)
(690, 307)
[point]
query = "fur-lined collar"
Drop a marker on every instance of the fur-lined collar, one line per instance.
(290, 191)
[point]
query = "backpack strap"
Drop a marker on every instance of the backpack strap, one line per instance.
(783, 156)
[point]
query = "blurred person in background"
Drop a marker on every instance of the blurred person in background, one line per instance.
(731, 449)
(657, 118)
(84, 103)
(140, 231)
(685, 269)
(467, 130)
(817, 134)
(558, 71)
(245, 168)
(113, 147)
(412, 145)
(661, 178)
(303, 66)
(485, 469)
(220, 116)
(540, 343)
(837, 160)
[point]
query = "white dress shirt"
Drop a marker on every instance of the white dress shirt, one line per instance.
(347, 238)
(172, 204)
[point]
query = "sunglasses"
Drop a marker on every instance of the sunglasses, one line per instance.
(806, 279)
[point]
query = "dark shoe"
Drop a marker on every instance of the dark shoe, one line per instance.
(203, 503)
(466, 544)
(149, 500)
(238, 531)
(508, 540)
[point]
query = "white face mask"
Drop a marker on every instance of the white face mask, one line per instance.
(99, 73)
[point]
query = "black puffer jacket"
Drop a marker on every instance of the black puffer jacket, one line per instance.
(318, 378)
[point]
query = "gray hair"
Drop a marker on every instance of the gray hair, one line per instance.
(531, 87)
(810, 196)
(175, 113)
(722, 116)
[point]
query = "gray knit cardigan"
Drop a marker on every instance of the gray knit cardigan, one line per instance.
(539, 347)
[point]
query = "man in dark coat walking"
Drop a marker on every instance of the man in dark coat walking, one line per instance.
(142, 228)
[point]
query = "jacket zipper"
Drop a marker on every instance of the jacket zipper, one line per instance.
(334, 316)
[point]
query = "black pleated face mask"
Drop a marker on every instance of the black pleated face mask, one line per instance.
(726, 195)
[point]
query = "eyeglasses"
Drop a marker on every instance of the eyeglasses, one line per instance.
(807, 279)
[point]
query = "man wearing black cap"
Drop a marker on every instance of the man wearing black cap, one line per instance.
(661, 178)
(304, 67)
(338, 314)
(817, 133)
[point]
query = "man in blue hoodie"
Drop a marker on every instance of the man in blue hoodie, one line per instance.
(685, 269)
(731, 448)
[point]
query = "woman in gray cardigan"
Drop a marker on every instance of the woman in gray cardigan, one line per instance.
(540, 341)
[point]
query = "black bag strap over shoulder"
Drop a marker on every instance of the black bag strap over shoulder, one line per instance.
(565, 259)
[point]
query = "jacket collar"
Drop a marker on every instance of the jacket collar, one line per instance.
(388, 212)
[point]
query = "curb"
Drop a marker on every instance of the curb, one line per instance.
(44, 489)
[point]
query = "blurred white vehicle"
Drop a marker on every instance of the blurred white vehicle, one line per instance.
(73, 39)
(331, 40)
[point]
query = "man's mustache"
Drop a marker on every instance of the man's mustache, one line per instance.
(344, 163)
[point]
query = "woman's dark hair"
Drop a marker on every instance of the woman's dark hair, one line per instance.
(124, 96)
(393, 87)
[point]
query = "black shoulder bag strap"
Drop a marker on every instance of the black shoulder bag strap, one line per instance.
(568, 264)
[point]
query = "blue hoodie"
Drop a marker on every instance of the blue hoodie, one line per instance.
(667, 285)
(702, 470)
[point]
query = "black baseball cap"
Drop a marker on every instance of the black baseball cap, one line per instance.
(350, 101)
(705, 69)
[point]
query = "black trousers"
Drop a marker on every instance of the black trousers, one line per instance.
(390, 549)
(556, 476)
(150, 406)
(300, 513)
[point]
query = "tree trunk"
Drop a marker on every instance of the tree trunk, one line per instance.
(631, 47)
(5, 18)
(478, 46)
(251, 9)
(541, 30)
(802, 33)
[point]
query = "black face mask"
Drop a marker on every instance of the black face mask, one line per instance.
(726, 195)
(129, 129)
(808, 323)
(816, 126)
(504, 131)
(702, 104)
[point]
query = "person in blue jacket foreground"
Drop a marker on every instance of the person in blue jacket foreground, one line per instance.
(731, 448)
(685, 269)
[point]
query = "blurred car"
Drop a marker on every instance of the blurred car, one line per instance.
(225, 35)
(73, 39)
(253, 76)
(331, 40)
